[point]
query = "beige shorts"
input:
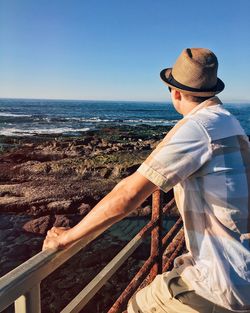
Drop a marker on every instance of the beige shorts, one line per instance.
(168, 293)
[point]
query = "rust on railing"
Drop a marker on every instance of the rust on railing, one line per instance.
(156, 242)
(178, 248)
(171, 234)
(133, 285)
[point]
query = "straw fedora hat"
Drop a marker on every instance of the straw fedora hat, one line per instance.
(194, 73)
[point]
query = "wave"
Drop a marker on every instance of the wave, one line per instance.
(3, 114)
(75, 119)
(148, 121)
(115, 120)
(45, 131)
(89, 120)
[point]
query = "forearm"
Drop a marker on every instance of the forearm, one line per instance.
(109, 210)
(122, 200)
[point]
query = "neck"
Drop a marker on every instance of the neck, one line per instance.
(188, 106)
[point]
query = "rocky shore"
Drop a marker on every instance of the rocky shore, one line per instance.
(46, 181)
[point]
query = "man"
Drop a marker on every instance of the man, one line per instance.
(206, 158)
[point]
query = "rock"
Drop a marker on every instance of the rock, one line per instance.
(4, 234)
(39, 225)
(4, 224)
(104, 255)
(116, 171)
(37, 210)
(87, 140)
(59, 206)
(62, 221)
(131, 169)
(84, 209)
(8, 266)
(105, 172)
(20, 252)
(54, 180)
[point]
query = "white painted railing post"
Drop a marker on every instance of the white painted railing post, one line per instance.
(30, 302)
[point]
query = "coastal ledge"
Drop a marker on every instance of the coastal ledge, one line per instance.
(64, 175)
(56, 180)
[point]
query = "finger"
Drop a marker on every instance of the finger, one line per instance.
(51, 233)
(59, 230)
(50, 244)
(52, 236)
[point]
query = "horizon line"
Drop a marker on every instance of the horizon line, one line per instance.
(112, 100)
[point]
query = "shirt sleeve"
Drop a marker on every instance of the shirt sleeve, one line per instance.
(181, 153)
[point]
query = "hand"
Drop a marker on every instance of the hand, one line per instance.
(56, 238)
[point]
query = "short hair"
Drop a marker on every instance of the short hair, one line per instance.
(196, 99)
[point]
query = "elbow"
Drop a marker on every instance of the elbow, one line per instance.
(123, 198)
(130, 192)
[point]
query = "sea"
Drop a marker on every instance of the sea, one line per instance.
(27, 117)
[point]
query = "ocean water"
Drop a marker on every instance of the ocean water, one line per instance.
(20, 117)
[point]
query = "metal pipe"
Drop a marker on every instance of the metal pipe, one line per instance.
(132, 287)
(169, 206)
(156, 234)
(171, 233)
(179, 244)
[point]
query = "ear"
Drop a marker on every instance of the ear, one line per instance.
(176, 94)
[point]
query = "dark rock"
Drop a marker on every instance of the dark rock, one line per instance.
(5, 224)
(103, 256)
(131, 169)
(62, 221)
(5, 234)
(19, 252)
(105, 172)
(9, 265)
(39, 225)
(87, 140)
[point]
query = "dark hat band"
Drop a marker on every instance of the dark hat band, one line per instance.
(175, 83)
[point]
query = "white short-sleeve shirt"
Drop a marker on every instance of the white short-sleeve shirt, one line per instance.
(206, 158)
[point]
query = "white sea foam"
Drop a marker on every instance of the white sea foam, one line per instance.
(148, 121)
(134, 121)
(39, 119)
(45, 131)
(4, 114)
(88, 120)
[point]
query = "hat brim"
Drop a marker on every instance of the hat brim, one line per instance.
(166, 74)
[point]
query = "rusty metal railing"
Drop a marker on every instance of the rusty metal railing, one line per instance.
(22, 285)
(157, 262)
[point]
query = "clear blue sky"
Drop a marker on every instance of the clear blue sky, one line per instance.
(115, 49)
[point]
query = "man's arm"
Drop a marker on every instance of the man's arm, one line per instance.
(123, 199)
